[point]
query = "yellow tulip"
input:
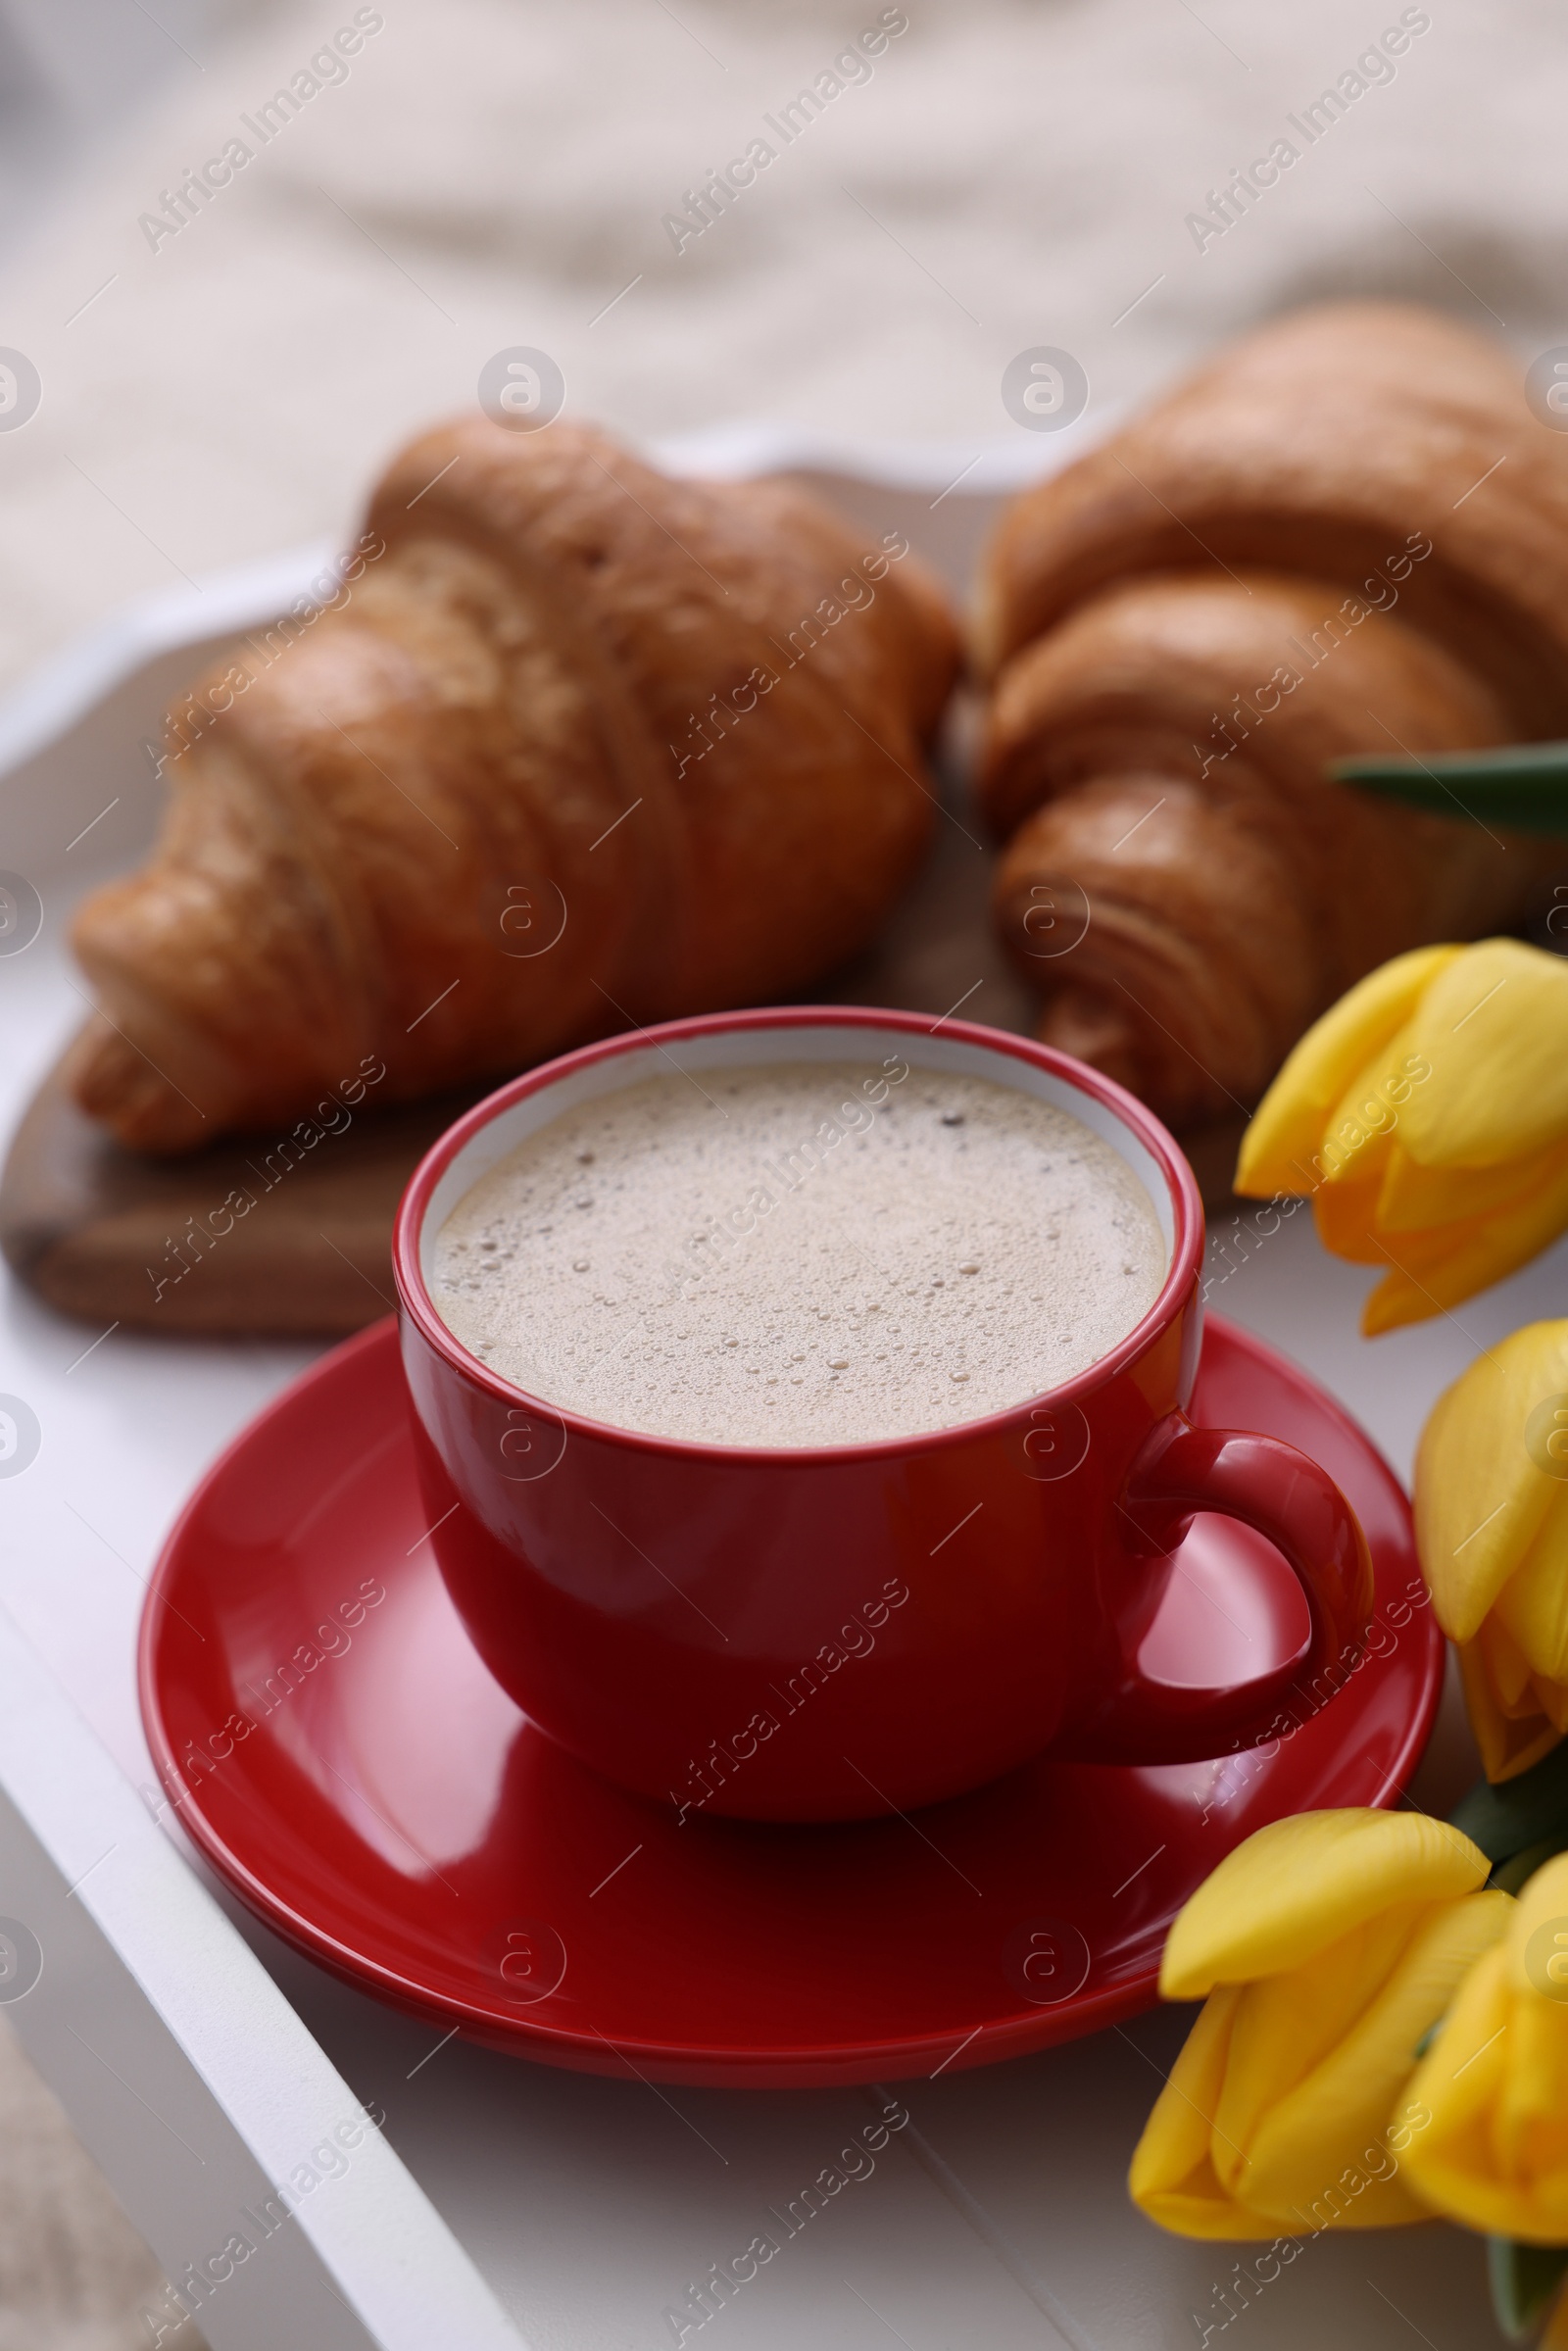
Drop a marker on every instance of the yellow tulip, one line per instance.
(1325, 1947)
(1496, 2081)
(1491, 1525)
(1426, 1115)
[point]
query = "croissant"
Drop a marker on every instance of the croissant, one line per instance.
(1347, 534)
(574, 746)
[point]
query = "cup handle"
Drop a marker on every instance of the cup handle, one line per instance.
(1284, 1495)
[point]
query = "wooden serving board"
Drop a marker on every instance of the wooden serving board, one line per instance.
(113, 1236)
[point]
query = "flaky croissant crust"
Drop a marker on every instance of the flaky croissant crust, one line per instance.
(1346, 534)
(578, 746)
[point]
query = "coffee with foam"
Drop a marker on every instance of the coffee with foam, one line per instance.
(803, 1253)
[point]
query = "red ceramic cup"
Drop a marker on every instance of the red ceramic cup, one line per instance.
(800, 1633)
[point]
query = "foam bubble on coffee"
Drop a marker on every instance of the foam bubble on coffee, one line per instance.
(803, 1253)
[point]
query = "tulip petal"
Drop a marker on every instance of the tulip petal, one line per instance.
(1450, 2163)
(1496, 2155)
(1332, 2127)
(1398, 1300)
(1532, 1605)
(1433, 1271)
(1344, 1215)
(1422, 1269)
(1481, 1495)
(1512, 1732)
(1530, 2121)
(1359, 1131)
(1172, 2178)
(1543, 1903)
(1287, 2023)
(1287, 1124)
(1299, 1885)
(1497, 1244)
(1493, 1024)
(1416, 1199)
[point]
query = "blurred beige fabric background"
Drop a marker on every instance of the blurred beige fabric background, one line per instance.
(495, 172)
(74, 2274)
(492, 173)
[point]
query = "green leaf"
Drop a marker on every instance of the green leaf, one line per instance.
(1511, 1876)
(1523, 2281)
(1507, 1818)
(1521, 785)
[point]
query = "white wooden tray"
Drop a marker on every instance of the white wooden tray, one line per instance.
(499, 2202)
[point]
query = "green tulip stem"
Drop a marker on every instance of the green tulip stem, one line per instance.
(1514, 1874)
(1523, 2281)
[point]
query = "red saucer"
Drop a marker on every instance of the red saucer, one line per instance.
(377, 1799)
